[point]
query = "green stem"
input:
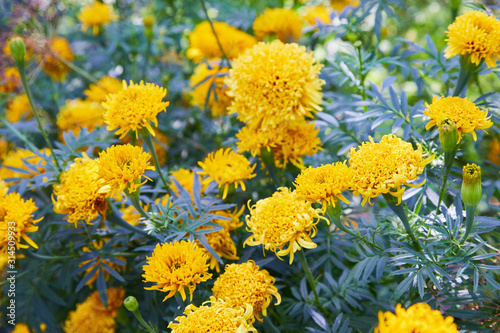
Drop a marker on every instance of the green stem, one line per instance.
(309, 276)
(141, 320)
(470, 211)
(267, 156)
(401, 213)
(213, 30)
(134, 199)
(149, 143)
(146, 56)
(463, 77)
(448, 162)
(78, 70)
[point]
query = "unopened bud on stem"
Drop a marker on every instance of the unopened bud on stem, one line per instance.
(17, 49)
(448, 135)
(471, 185)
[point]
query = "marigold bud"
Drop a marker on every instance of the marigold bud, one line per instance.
(471, 185)
(448, 135)
(148, 21)
(131, 304)
(17, 49)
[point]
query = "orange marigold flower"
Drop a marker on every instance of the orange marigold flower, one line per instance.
(174, 266)
(226, 168)
(464, 113)
(283, 223)
(77, 114)
(134, 107)
(417, 318)
(106, 85)
(384, 167)
(11, 80)
(284, 23)
(246, 283)
(58, 47)
(18, 108)
(95, 15)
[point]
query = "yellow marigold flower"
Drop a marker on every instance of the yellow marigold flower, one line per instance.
(15, 209)
(19, 158)
(214, 316)
(18, 108)
(208, 81)
(339, 5)
(226, 168)
(58, 47)
(106, 85)
(466, 115)
(4, 189)
(384, 167)
(97, 245)
(133, 107)
(252, 139)
(203, 45)
(102, 318)
(95, 15)
(11, 81)
(223, 245)
(273, 83)
(313, 14)
(78, 194)
(418, 318)
(185, 177)
(246, 283)
(121, 166)
(21, 328)
(235, 221)
(174, 266)
(76, 114)
(475, 34)
(283, 23)
(325, 183)
(493, 153)
(283, 223)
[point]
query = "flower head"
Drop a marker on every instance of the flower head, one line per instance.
(466, 115)
(203, 45)
(95, 15)
(226, 167)
(77, 114)
(122, 166)
(106, 85)
(315, 14)
(339, 5)
(325, 183)
(18, 108)
(476, 35)
(11, 80)
(283, 223)
(174, 266)
(284, 23)
(16, 212)
(57, 47)
(133, 107)
(208, 87)
(78, 194)
(214, 316)
(246, 283)
(417, 318)
(273, 83)
(384, 167)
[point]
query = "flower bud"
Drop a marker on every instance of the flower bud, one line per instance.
(17, 49)
(148, 21)
(471, 185)
(448, 135)
(131, 304)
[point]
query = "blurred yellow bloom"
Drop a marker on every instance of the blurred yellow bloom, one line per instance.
(226, 168)
(313, 14)
(77, 114)
(283, 223)
(134, 107)
(417, 318)
(494, 151)
(130, 214)
(95, 15)
(385, 167)
(214, 316)
(20, 158)
(464, 113)
(246, 283)
(174, 266)
(477, 35)
(106, 85)
(283, 23)
(273, 83)
(10, 80)
(58, 47)
(21, 328)
(339, 5)
(208, 88)
(4, 189)
(185, 177)
(18, 108)
(203, 44)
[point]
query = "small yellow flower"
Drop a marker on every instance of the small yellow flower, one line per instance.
(284, 23)
(57, 47)
(246, 283)
(273, 83)
(77, 114)
(464, 113)
(283, 223)
(106, 85)
(16, 212)
(222, 243)
(203, 45)
(11, 80)
(20, 158)
(418, 318)
(384, 167)
(18, 108)
(174, 266)
(134, 107)
(78, 194)
(214, 316)
(339, 5)
(475, 34)
(325, 183)
(313, 14)
(207, 81)
(226, 168)
(95, 15)
(121, 166)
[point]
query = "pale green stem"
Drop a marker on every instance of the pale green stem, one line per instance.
(470, 211)
(149, 143)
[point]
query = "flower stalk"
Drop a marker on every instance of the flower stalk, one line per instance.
(448, 136)
(466, 70)
(401, 213)
(133, 306)
(310, 278)
(144, 133)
